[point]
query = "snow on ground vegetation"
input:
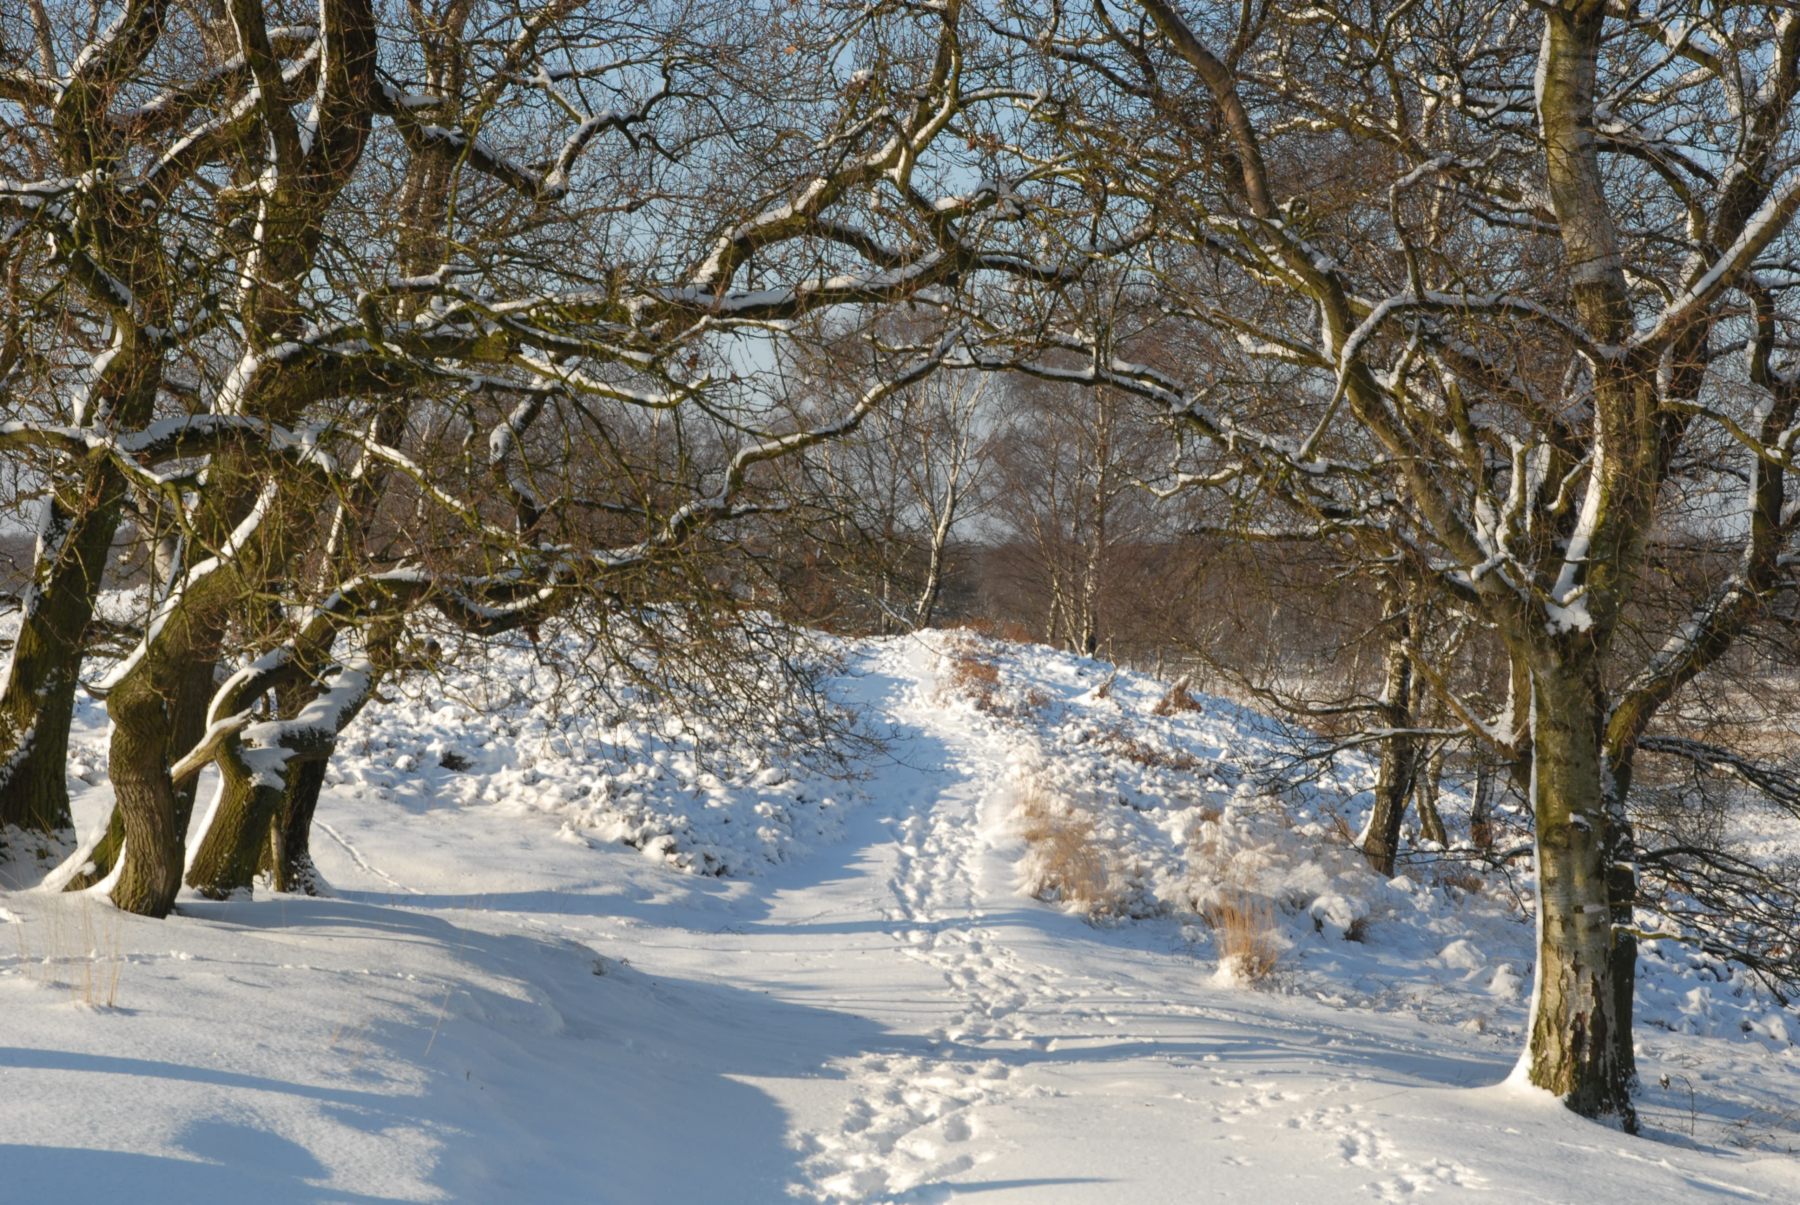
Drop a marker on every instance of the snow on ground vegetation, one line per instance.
(1067, 936)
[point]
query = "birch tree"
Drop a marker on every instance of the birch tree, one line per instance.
(897, 497)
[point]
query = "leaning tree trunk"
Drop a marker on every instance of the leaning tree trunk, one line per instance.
(257, 768)
(927, 603)
(37, 701)
(1431, 821)
(103, 856)
(82, 508)
(1577, 1025)
(187, 722)
(231, 849)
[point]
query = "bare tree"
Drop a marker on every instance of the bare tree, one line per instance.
(1071, 465)
(893, 500)
(1498, 308)
(632, 213)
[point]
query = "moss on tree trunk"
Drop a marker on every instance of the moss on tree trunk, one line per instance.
(1577, 1024)
(38, 699)
(144, 800)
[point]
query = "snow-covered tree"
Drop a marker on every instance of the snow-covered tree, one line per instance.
(476, 306)
(1486, 282)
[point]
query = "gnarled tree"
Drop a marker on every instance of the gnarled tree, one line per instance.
(1507, 266)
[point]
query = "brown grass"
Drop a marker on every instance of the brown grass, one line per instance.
(1008, 630)
(1128, 746)
(974, 678)
(1243, 927)
(83, 951)
(1176, 699)
(1066, 864)
(977, 679)
(1340, 828)
(1464, 880)
(1242, 922)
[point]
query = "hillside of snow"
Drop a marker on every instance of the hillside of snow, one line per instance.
(1044, 944)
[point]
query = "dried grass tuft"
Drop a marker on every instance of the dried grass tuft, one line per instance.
(974, 678)
(1340, 828)
(82, 951)
(1243, 927)
(1463, 879)
(1242, 920)
(1140, 752)
(1008, 630)
(977, 679)
(1065, 863)
(1178, 698)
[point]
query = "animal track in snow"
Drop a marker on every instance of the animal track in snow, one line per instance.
(1361, 1145)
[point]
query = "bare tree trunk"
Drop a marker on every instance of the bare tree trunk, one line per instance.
(231, 849)
(144, 800)
(1577, 1027)
(265, 797)
(38, 699)
(1431, 822)
(1481, 809)
(1399, 748)
(934, 567)
(75, 536)
(81, 511)
(1620, 851)
(185, 714)
(287, 856)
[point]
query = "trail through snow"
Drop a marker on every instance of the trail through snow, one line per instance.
(496, 1008)
(1034, 1052)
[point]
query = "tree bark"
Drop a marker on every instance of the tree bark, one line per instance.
(261, 770)
(287, 857)
(1481, 809)
(231, 849)
(1431, 821)
(144, 799)
(185, 715)
(1577, 1025)
(1620, 850)
(38, 699)
(1399, 748)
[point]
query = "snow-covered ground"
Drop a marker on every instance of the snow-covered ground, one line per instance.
(534, 984)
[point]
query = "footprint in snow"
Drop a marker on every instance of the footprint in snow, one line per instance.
(903, 1129)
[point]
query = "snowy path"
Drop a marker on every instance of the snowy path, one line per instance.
(497, 1009)
(1022, 1027)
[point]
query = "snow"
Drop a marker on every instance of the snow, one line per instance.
(528, 986)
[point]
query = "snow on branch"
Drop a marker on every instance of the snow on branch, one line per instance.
(191, 581)
(1765, 225)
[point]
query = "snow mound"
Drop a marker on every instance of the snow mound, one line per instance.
(1205, 813)
(506, 732)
